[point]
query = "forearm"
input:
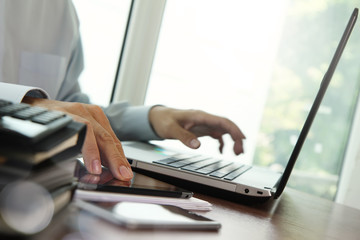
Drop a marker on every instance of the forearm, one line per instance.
(131, 122)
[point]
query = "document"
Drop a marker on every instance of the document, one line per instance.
(191, 204)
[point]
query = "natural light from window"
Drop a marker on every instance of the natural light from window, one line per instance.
(102, 27)
(260, 64)
(218, 59)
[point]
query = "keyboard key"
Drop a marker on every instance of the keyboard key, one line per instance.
(226, 170)
(213, 167)
(181, 163)
(237, 173)
(177, 163)
(185, 156)
(166, 161)
(205, 165)
(200, 164)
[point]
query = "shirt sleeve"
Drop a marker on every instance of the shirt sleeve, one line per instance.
(15, 93)
(128, 122)
(131, 122)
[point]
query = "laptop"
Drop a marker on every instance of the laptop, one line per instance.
(239, 182)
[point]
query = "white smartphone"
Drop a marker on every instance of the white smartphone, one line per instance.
(132, 215)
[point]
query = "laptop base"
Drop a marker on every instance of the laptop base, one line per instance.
(204, 189)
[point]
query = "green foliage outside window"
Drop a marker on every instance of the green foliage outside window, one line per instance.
(311, 33)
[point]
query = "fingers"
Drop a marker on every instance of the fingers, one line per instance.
(204, 124)
(187, 125)
(90, 149)
(225, 126)
(236, 135)
(221, 147)
(111, 156)
(112, 152)
(90, 178)
(101, 146)
(186, 137)
(238, 147)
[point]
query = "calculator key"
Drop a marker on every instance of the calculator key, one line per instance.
(12, 108)
(47, 117)
(29, 112)
(29, 124)
(4, 103)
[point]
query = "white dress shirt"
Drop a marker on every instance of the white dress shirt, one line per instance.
(41, 55)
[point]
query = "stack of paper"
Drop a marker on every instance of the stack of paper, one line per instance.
(192, 204)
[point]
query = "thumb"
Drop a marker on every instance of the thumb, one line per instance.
(186, 137)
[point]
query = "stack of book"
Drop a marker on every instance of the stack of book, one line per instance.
(37, 162)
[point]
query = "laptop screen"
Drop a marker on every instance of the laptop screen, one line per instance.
(323, 87)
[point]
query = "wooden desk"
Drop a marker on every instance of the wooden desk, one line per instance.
(295, 215)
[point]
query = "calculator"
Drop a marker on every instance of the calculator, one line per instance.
(28, 124)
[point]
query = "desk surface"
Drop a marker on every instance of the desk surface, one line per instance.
(295, 215)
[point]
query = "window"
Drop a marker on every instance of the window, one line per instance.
(260, 64)
(102, 27)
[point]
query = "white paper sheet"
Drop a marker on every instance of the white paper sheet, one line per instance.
(193, 204)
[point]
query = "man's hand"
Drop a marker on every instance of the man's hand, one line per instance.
(188, 125)
(101, 145)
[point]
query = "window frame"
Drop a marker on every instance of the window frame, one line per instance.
(138, 51)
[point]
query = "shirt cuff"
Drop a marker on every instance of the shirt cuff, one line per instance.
(131, 122)
(15, 93)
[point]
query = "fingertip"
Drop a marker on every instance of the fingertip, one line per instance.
(238, 148)
(126, 173)
(96, 167)
(90, 178)
(195, 143)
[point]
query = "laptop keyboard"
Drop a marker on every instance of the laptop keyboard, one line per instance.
(217, 168)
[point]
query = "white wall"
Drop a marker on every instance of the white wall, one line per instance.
(349, 190)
